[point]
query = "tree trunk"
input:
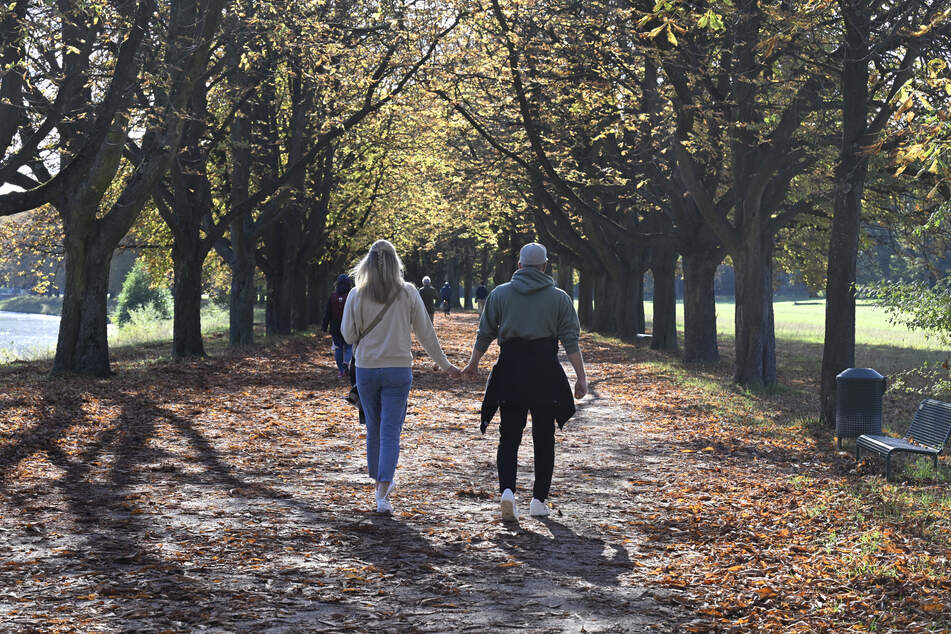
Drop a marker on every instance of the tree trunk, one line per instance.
(663, 267)
(700, 307)
(453, 279)
(585, 299)
(624, 309)
(484, 268)
(301, 303)
(755, 340)
(605, 304)
(467, 280)
(566, 277)
(186, 330)
(631, 318)
(191, 204)
(241, 309)
(506, 262)
(285, 299)
(640, 320)
(279, 250)
(318, 283)
(82, 346)
(838, 352)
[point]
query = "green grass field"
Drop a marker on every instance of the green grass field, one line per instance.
(800, 331)
(805, 322)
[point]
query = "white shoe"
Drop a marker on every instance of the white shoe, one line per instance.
(509, 510)
(538, 508)
(386, 494)
(383, 504)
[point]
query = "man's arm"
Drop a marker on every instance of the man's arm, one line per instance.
(473, 366)
(488, 330)
(581, 379)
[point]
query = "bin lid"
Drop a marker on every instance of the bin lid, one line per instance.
(859, 374)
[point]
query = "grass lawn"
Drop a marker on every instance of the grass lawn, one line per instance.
(33, 304)
(805, 321)
(799, 334)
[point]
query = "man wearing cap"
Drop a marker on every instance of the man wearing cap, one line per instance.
(430, 296)
(528, 316)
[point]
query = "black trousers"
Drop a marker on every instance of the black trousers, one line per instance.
(514, 418)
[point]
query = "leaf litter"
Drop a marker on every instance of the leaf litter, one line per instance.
(229, 494)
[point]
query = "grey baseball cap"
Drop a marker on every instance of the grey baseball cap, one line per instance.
(533, 254)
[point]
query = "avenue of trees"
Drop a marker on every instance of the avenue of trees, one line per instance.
(273, 141)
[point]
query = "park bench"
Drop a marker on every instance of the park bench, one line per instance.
(927, 435)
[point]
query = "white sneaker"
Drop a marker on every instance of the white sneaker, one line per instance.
(509, 510)
(538, 508)
(383, 504)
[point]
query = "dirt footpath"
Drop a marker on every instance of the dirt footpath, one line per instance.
(231, 495)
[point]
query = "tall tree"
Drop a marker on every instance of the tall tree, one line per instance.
(97, 196)
(760, 96)
(881, 44)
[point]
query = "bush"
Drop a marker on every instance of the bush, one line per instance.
(139, 292)
(916, 305)
(144, 325)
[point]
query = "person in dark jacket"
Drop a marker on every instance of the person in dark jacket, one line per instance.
(445, 294)
(332, 318)
(430, 296)
(480, 294)
(528, 316)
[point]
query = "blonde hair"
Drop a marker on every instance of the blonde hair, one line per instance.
(380, 273)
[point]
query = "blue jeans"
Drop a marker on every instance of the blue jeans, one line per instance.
(342, 351)
(383, 394)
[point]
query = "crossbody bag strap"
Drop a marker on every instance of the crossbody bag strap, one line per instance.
(378, 317)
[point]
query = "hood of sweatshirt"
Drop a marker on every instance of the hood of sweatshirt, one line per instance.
(530, 280)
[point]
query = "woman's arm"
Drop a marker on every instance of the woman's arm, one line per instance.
(426, 334)
(348, 326)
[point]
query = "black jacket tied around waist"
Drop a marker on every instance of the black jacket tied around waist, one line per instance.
(528, 374)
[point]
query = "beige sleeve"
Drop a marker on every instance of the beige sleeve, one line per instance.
(425, 332)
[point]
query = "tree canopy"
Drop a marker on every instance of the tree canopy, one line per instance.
(254, 149)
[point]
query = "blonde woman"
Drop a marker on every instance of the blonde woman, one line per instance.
(377, 318)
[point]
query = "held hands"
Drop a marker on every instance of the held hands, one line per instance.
(452, 371)
(470, 372)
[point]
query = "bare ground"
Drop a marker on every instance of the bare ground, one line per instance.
(231, 495)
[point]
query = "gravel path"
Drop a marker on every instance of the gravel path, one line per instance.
(235, 499)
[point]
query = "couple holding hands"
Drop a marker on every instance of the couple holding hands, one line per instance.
(528, 316)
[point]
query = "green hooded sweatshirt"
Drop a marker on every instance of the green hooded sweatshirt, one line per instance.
(528, 307)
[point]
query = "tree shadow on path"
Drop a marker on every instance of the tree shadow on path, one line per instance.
(567, 553)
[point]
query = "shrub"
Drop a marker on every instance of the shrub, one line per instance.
(138, 291)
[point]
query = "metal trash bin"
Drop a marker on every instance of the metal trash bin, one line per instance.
(858, 403)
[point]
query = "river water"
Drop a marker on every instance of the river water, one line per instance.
(27, 335)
